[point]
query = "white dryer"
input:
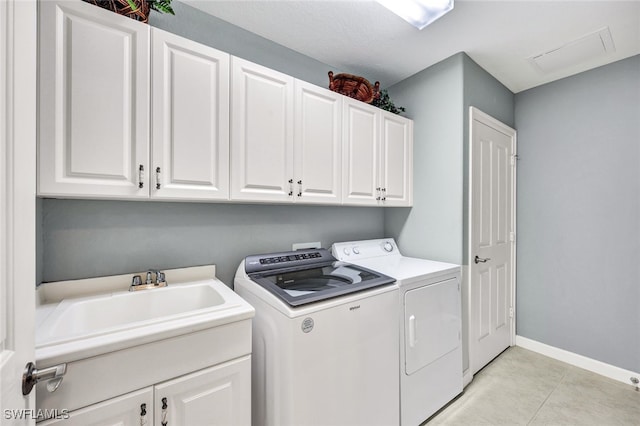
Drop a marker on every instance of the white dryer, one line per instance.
(430, 324)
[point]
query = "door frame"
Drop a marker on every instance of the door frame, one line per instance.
(477, 115)
(18, 204)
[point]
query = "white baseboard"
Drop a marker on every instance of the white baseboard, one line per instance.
(598, 367)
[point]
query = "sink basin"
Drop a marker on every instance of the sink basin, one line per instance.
(88, 326)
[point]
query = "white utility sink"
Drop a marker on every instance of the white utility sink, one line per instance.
(114, 342)
(76, 328)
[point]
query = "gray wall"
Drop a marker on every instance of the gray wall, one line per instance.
(85, 238)
(579, 214)
(81, 239)
(438, 100)
(195, 25)
(432, 229)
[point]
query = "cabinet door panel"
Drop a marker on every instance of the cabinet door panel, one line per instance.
(94, 101)
(397, 160)
(190, 119)
(361, 127)
(317, 145)
(135, 408)
(220, 395)
(262, 133)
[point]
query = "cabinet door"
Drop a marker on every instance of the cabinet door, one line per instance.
(361, 126)
(220, 395)
(317, 145)
(190, 133)
(396, 153)
(261, 133)
(135, 408)
(94, 102)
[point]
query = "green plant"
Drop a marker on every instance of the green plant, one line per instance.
(163, 6)
(384, 102)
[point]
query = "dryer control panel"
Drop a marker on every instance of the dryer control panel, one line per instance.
(357, 250)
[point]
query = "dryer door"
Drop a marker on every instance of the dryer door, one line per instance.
(431, 323)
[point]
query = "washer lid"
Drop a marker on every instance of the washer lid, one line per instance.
(297, 281)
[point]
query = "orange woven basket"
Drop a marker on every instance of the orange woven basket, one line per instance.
(122, 7)
(354, 86)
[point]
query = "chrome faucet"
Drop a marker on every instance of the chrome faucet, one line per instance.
(136, 281)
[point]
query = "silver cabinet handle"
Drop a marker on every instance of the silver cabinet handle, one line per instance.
(163, 420)
(300, 188)
(143, 414)
(378, 194)
(481, 260)
(157, 177)
(141, 176)
(290, 187)
(384, 194)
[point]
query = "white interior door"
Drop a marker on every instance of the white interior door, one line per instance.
(492, 239)
(17, 204)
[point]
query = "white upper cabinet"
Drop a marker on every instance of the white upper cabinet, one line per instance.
(378, 153)
(396, 159)
(190, 119)
(261, 133)
(94, 102)
(128, 111)
(317, 145)
(361, 128)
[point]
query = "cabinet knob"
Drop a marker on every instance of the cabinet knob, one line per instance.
(157, 177)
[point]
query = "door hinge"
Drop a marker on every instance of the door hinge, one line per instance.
(512, 236)
(514, 158)
(510, 312)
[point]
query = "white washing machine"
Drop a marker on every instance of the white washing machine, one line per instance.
(324, 348)
(429, 326)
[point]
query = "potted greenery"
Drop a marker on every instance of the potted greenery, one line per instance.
(135, 9)
(384, 102)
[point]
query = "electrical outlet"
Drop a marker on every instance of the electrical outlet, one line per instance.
(302, 246)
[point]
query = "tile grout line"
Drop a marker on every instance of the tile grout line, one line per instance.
(566, 371)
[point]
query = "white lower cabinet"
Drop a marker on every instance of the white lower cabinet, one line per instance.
(219, 395)
(134, 408)
(215, 396)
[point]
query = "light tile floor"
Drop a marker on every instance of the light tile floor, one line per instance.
(521, 387)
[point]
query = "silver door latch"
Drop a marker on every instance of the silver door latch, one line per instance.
(32, 376)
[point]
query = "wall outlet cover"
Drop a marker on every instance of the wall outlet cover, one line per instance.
(302, 246)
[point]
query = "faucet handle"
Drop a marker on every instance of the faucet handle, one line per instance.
(160, 277)
(136, 280)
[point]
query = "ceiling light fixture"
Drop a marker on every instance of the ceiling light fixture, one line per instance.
(418, 13)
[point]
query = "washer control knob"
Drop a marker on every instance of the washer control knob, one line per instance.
(356, 250)
(346, 251)
(388, 247)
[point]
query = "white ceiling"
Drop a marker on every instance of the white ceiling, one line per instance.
(366, 39)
